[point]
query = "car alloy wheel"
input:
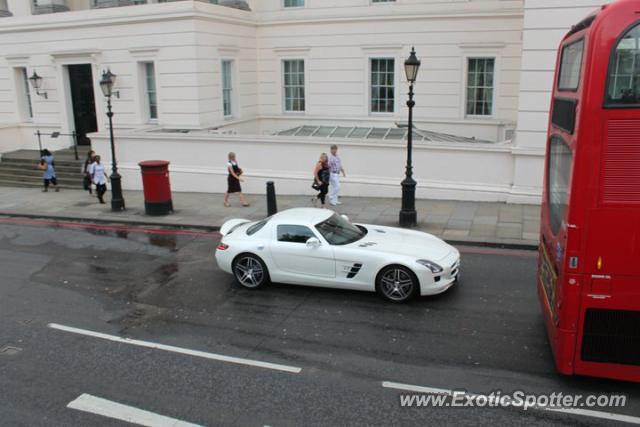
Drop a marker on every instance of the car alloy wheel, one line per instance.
(397, 284)
(250, 271)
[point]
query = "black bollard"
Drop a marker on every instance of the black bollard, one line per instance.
(272, 207)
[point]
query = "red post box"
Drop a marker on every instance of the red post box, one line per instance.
(157, 189)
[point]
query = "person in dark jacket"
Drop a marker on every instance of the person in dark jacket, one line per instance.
(321, 179)
(91, 155)
(234, 178)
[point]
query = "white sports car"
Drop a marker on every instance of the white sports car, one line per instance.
(318, 247)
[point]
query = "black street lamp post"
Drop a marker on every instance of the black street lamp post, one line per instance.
(408, 214)
(117, 201)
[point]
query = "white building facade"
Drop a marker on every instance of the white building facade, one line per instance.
(278, 81)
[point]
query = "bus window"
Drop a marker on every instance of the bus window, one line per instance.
(623, 81)
(570, 66)
(559, 173)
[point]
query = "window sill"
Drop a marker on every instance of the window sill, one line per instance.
(474, 117)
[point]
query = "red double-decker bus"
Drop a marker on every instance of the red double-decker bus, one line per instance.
(589, 264)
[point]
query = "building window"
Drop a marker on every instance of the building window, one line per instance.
(382, 85)
(116, 3)
(227, 88)
(293, 3)
(150, 89)
(480, 86)
(24, 94)
(294, 99)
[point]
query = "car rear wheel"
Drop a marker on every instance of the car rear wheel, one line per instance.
(250, 271)
(397, 283)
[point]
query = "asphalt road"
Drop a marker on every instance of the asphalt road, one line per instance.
(164, 288)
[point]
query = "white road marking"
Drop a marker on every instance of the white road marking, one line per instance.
(415, 388)
(571, 411)
(186, 351)
(118, 411)
(598, 414)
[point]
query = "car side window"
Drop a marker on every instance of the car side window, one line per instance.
(294, 233)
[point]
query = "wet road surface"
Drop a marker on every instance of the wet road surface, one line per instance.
(163, 286)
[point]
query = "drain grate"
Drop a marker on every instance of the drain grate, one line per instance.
(9, 350)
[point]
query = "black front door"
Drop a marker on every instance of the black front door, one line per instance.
(84, 106)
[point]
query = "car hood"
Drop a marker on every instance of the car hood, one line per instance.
(404, 242)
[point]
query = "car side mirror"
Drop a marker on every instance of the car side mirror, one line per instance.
(313, 242)
(345, 217)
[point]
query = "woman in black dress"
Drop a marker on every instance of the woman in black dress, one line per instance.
(321, 179)
(233, 181)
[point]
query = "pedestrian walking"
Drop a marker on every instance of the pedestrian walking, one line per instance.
(234, 178)
(99, 178)
(86, 175)
(335, 167)
(48, 170)
(321, 179)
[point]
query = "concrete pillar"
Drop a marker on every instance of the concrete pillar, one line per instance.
(4, 8)
(19, 7)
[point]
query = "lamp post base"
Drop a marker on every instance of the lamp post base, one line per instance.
(408, 214)
(408, 219)
(117, 201)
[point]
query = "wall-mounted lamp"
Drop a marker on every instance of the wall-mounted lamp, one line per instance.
(36, 83)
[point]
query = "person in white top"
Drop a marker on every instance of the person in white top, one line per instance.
(99, 178)
(335, 167)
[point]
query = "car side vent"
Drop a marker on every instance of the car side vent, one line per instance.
(380, 231)
(611, 336)
(354, 270)
(367, 244)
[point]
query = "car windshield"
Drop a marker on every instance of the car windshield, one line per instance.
(338, 231)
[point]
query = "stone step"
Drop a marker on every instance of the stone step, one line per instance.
(38, 179)
(20, 168)
(26, 184)
(33, 169)
(33, 163)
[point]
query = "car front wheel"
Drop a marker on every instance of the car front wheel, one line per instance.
(250, 271)
(397, 283)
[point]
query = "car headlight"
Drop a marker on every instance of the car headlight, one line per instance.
(435, 268)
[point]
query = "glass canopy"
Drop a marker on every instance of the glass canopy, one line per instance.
(380, 133)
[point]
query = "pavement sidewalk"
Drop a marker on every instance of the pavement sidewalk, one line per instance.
(456, 221)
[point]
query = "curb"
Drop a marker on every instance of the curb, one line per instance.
(506, 244)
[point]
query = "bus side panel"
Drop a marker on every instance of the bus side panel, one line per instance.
(562, 341)
(560, 299)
